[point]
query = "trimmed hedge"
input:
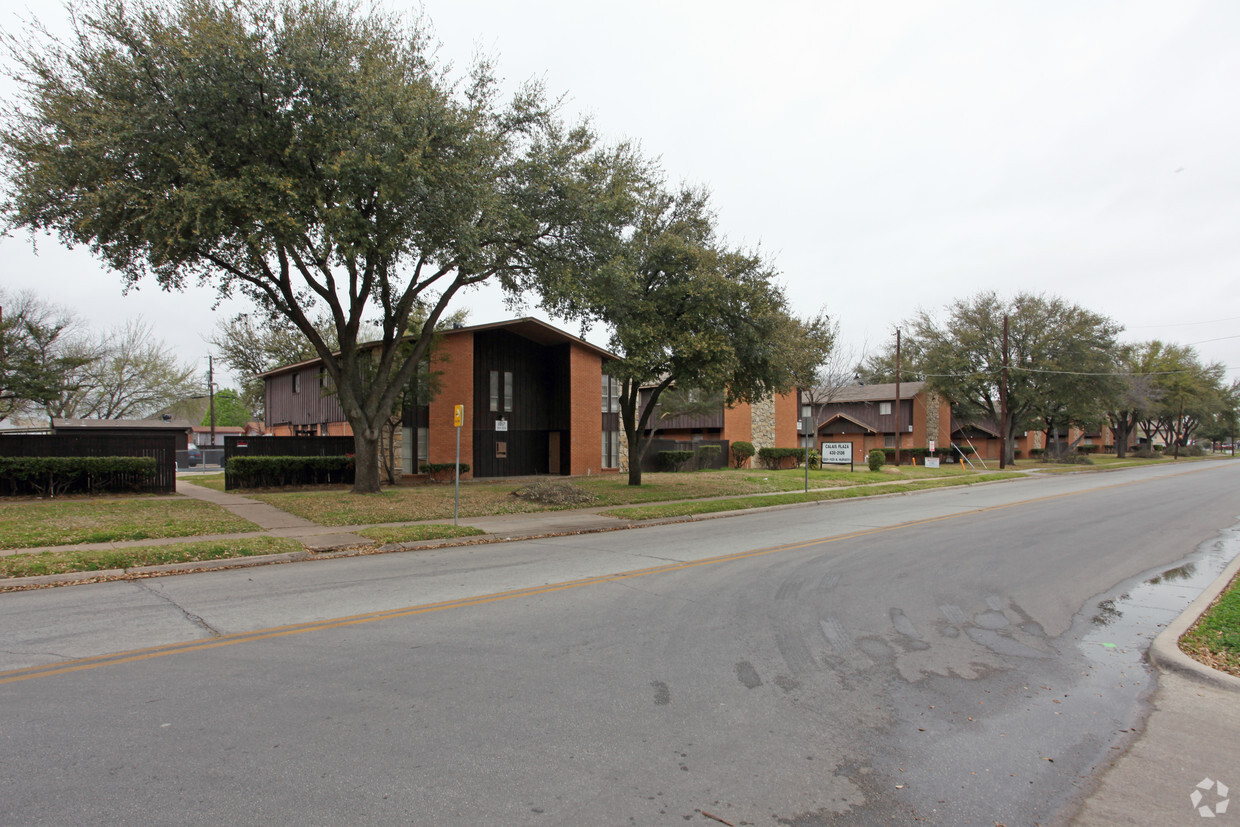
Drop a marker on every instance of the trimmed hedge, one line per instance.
(949, 454)
(276, 472)
(876, 459)
(741, 452)
(773, 458)
(673, 460)
(442, 470)
(52, 476)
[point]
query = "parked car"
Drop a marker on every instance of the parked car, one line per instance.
(193, 456)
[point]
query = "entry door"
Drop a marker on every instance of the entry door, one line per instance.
(553, 452)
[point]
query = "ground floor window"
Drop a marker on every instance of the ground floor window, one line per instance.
(414, 443)
(611, 449)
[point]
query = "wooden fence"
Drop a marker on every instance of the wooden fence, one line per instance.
(161, 446)
(283, 446)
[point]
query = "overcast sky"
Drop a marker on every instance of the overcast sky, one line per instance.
(887, 156)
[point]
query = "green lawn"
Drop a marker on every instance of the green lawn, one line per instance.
(61, 562)
(413, 533)
(684, 509)
(337, 506)
(1215, 639)
(71, 520)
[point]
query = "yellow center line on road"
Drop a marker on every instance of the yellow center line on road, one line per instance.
(136, 655)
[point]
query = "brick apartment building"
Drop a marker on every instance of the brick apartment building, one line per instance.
(537, 400)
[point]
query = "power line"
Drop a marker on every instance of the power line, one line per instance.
(1183, 324)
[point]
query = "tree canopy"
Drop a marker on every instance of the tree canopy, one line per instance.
(1060, 356)
(1184, 393)
(685, 309)
(34, 353)
(230, 410)
(310, 156)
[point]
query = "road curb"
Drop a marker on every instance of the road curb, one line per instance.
(1165, 652)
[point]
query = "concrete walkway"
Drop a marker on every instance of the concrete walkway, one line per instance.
(275, 522)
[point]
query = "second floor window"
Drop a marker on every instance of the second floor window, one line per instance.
(611, 394)
(296, 383)
(501, 391)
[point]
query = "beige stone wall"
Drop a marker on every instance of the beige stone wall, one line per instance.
(933, 403)
(763, 413)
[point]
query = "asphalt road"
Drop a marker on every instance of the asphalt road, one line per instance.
(964, 656)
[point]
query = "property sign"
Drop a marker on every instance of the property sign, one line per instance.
(501, 424)
(932, 462)
(837, 453)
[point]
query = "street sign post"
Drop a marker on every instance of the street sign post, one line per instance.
(458, 416)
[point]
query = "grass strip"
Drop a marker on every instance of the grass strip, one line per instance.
(412, 533)
(62, 562)
(68, 521)
(212, 481)
(652, 512)
(479, 498)
(1215, 638)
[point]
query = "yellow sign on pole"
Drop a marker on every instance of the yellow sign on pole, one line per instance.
(458, 415)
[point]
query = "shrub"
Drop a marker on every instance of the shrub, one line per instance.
(279, 471)
(815, 461)
(773, 458)
(1071, 458)
(709, 456)
(673, 460)
(876, 459)
(52, 476)
(741, 452)
(442, 471)
(1146, 452)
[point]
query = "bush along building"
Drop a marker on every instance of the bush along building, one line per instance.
(536, 400)
(866, 416)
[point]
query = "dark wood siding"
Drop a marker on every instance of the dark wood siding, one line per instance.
(159, 445)
(540, 397)
(311, 404)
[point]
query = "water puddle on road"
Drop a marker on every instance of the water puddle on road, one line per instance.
(1039, 732)
(1135, 612)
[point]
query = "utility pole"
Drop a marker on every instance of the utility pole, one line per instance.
(211, 394)
(1003, 410)
(898, 425)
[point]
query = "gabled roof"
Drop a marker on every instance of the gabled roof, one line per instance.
(527, 327)
(846, 418)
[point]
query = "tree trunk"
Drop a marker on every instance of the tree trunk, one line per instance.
(366, 460)
(635, 461)
(1124, 431)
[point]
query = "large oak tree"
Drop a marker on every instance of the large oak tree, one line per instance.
(1060, 358)
(308, 155)
(686, 309)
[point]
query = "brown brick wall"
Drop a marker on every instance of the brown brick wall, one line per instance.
(585, 372)
(786, 415)
(455, 358)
